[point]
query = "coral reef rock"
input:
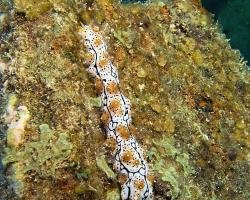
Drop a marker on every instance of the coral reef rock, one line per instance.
(188, 88)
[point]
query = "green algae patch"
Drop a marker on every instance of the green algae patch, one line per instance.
(85, 173)
(95, 102)
(125, 37)
(172, 166)
(45, 156)
(171, 176)
(80, 189)
(113, 195)
(103, 165)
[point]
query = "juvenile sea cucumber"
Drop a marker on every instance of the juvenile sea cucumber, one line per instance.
(129, 161)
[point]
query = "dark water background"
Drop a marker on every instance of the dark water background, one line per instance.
(234, 17)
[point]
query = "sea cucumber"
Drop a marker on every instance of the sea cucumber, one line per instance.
(129, 161)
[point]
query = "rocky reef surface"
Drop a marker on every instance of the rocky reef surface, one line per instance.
(188, 88)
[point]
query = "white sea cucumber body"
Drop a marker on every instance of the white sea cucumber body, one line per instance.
(129, 161)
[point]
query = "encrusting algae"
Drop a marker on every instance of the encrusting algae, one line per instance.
(188, 90)
(44, 157)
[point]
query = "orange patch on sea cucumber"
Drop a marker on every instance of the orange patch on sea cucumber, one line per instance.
(103, 63)
(127, 156)
(97, 42)
(112, 88)
(115, 106)
(122, 178)
(139, 184)
(123, 132)
(135, 162)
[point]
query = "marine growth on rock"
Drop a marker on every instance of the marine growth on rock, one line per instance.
(188, 88)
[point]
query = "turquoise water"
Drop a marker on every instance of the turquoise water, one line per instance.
(234, 17)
